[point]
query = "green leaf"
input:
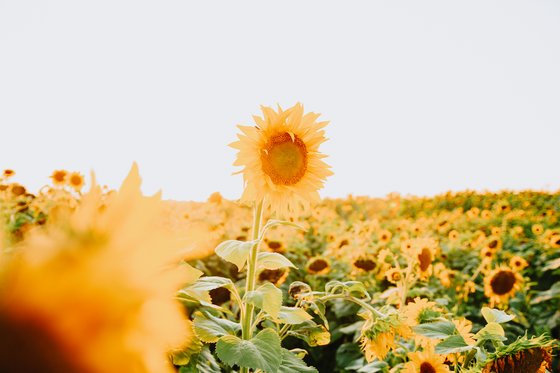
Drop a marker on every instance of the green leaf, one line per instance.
(552, 293)
(234, 251)
(553, 264)
(272, 223)
(374, 367)
(260, 352)
(438, 329)
(183, 356)
(210, 328)
(319, 310)
(293, 315)
(200, 289)
(355, 288)
(267, 297)
(272, 261)
(311, 333)
(492, 331)
(453, 344)
(494, 315)
(202, 363)
(292, 364)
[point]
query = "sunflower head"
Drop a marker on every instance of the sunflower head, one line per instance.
(318, 265)
(501, 284)
(275, 276)
(58, 177)
(420, 311)
(523, 355)
(378, 334)
(517, 263)
(76, 181)
(364, 263)
(426, 361)
(7, 173)
(281, 159)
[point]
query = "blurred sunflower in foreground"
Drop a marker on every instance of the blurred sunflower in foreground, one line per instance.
(94, 290)
(281, 159)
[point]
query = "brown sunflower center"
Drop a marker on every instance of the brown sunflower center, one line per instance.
(365, 264)
(502, 282)
(426, 367)
(274, 245)
(22, 339)
(284, 159)
(318, 265)
(493, 244)
(59, 176)
(425, 259)
(76, 180)
(272, 275)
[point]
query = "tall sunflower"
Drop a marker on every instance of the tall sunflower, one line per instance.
(94, 291)
(281, 159)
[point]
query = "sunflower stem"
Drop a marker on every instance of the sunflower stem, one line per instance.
(247, 315)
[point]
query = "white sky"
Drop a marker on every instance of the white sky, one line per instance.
(423, 96)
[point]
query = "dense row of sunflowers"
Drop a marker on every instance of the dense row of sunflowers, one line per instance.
(281, 281)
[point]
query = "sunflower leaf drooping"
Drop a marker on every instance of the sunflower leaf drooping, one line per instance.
(281, 159)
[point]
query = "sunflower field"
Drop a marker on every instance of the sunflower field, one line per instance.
(100, 280)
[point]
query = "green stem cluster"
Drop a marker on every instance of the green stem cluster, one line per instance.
(247, 309)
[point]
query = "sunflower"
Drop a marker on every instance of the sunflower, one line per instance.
(384, 236)
(453, 235)
(394, 275)
(318, 265)
(426, 361)
(281, 159)
(275, 276)
(7, 173)
(364, 263)
(216, 198)
(496, 231)
(58, 177)
(501, 284)
(517, 263)
(537, 229)
(485, 214)
(487, 255)
(378, 335)
(494, 243)
(94, 292)
(420, 311)
(76, 181)
(17, 189)
(555, 240)
(523, 355)
(424, 250)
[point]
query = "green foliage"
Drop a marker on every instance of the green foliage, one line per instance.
(438, 329)
(210, 328)
(260, 352)
(236, 252)
(266, 297)
(273, 261)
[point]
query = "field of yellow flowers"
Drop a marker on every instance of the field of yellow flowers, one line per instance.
(99, 280)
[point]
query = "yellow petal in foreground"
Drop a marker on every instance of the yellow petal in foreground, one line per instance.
(94, 291)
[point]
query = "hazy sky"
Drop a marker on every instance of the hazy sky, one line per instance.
(423, 96)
